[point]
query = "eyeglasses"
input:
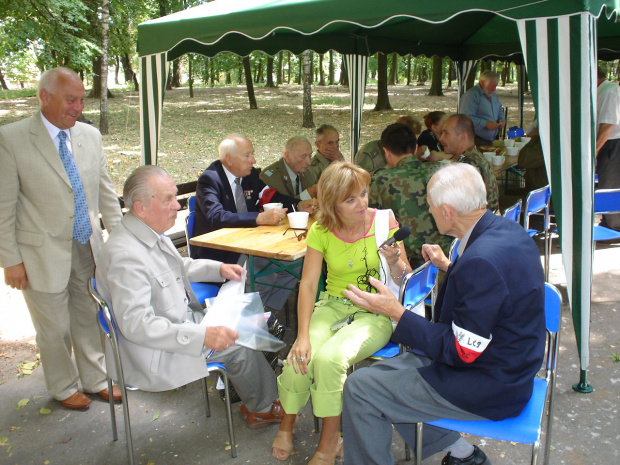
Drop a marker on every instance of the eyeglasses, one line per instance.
(300, 236)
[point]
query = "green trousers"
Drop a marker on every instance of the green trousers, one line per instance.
(333, 352)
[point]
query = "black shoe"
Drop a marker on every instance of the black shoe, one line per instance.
(476, 458)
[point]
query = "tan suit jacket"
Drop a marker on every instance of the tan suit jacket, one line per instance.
(276, 176)
(36, 200)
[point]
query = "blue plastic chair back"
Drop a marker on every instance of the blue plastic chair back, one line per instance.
(418, 284)
(454, 250)
(606, 201)
(189, 226)
(514, 213)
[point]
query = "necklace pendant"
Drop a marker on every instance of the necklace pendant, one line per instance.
(350, 264)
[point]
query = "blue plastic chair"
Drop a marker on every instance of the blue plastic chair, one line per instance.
(606, 201)
(202, 291)
(514, 212)
(537, 203)
(526, 428)
(106, 320)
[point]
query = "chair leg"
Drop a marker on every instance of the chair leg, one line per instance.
(418, 444)
(128, 437)
(206, 397)
(112, 411)
(231, 432)
(407, 453)
(547, 253)
(317, 426)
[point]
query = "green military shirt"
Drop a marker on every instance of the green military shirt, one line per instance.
(371, 156)
(403, 190)
(531, 158)
(472, 156)
(276, 176)
(317, 165)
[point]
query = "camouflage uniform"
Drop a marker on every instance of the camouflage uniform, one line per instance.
(472, 157)
(403, 189)
(371, 156)
(317, 165)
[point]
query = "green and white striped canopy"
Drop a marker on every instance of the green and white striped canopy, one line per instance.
(559, 40)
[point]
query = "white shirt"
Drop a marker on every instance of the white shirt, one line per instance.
(293, 177)
(53, 132)
(608, 107)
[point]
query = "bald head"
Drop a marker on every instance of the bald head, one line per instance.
(61, 97)
(237, 155)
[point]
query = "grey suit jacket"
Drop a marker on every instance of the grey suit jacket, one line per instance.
(146, 282)
(276, 176)
(36, 200)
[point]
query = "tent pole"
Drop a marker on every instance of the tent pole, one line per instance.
(582, 386)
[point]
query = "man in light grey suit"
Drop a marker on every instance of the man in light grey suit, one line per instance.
(146, 281)
(50, 232)
(287, 175)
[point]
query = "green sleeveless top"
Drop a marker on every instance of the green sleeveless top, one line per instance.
(339, 254)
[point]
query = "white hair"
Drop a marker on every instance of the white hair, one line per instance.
(229, 146)
(460, 186)
(290, 143)
(488, 75)
(137, 187)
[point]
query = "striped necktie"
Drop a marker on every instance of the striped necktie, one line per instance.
(82, 228)
(239, 197)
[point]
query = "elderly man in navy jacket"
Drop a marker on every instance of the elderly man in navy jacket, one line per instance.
(478, 359)
(228, 195)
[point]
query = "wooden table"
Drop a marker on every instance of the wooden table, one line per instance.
(274, 243)
(509, 162)
(261, 241)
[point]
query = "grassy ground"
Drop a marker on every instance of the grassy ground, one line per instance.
(192, 128)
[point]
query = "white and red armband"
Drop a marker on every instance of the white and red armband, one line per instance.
(468, 345)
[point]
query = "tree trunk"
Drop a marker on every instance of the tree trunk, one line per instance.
(270, 72)
(176, 73)
(130, 75)
(190, 76)
(451, 73)
(471, 79)
(344, 76)
(248, 82)
(331, 68)
(321, 73)
(301, 71)
(436, 79)
(228, 78)
(3, 82)
(308, 122)
(116, 69)
(95, 91)
(258, 76)
(288, 71)
(280, 68)
(383, 100)
(103, 103)
(409, 69)
(393, 80)
(504, 75)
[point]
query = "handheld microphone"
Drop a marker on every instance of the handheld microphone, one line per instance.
(398, 236)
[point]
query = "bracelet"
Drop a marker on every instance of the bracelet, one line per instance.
(402, 275)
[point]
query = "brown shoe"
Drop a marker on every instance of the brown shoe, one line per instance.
(105, 394)
(259, 420)
(77, 401)
(243, 411)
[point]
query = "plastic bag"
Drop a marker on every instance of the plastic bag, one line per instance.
(244, 313)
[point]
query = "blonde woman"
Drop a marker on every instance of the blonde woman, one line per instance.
(316, 366)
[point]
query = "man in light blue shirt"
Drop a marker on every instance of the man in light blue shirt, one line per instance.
(481, 104)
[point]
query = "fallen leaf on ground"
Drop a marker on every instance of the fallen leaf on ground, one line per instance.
(22, 403)
(44, 411)
(3, 440)
(155, 416)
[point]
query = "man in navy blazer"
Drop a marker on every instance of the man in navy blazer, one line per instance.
(478, 359)
(216, 208)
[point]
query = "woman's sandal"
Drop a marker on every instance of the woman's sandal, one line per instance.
(321, 458)
(284, 441)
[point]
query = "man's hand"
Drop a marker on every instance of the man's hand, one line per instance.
(383, 302)
(332, 154)
(219, 337)
(15, 276)
(313, 191)
(434, 253)
(492, 125)
(309, 206)
(273, 216)
(231, 272)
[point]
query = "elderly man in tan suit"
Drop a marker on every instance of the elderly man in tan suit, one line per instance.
(54, 186)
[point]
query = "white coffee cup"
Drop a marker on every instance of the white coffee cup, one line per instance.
(525, 139)
(298, 220)
(498, 160)
(512, 151)
(509, 143)
(519, 145)
(488, 156)
(269, 206)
